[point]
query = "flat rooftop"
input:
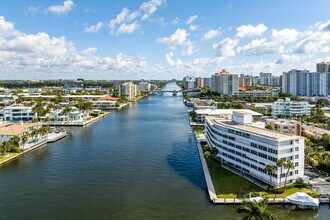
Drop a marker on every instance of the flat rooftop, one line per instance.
(254, 130)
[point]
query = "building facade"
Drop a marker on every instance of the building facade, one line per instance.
(304, 83)
(290, 127)
(17, 113)
(129, 89)
(288, 108)
(249, 149)
(144, 86)
(189, 82)
(265, 79)
(224, 83)
(245, 81)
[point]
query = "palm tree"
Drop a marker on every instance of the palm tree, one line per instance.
(4, 147)
(25, 138)
(67, 110)
(270, 169)
(256, 210)
(280, 163)
(288, 165)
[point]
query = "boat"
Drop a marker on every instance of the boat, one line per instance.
(303, 201)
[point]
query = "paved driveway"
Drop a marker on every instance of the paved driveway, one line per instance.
(318, 181)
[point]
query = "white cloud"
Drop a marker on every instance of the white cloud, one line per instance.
(62, 9)
(226, 47)
(193, 27)
(191, 19)
(176, 20)
(42, 56)
(119, 24)
(150, 7)
(210, 34)
(274, 44)
(287, 58)
(250, 31)
(7, 28)
(262, 46)
(179, 37)
(33, 9)
(171, 61)
(284, 35)
(315, 41)
(94, 28)
(128, 28)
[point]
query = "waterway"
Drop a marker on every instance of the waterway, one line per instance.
(136, 163)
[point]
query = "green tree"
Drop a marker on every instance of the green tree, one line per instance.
(269, 127)
(280, 163)
(25, 138)
(289, 165)
(4, 147)
(270, 169)
(256, 210)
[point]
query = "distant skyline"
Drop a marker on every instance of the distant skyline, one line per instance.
(160, 39)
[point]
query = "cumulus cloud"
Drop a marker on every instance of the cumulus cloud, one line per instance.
(274, 44)
(191, 19)
(40, 55)
(150, 7)
(94, 28)
(178, 38)
(210, 34)
(7, 28)
(120, 23)
(226, 48)
(250, 31)
(62, 9)
(315, 41)
(128, 28)
(287, 58)
(193, 27)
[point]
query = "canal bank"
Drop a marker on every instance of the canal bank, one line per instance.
(137, 163)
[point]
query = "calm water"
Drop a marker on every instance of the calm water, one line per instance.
(137, 163)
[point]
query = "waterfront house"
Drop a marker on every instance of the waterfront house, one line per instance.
(17, 113)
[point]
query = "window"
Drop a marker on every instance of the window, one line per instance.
(296, 164)
(296, 156)
(296, 148)
(296, 172)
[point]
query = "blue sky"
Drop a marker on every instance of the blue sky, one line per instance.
(160, 39)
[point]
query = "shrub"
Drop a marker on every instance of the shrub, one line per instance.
(277, 191)
(300, 183)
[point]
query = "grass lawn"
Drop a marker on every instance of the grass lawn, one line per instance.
(230, 185)
(2, 158)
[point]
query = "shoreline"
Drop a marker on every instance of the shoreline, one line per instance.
(223, 201)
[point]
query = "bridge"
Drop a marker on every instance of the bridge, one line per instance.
(174, 92)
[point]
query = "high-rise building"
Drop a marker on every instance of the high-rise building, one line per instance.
(265, 79)
(323, 67)
(304, 83)
(207, 82)
(276, 80)
(189, 82)
(225, 83)
(144, 86)
(129, 89)
(245, 80)
(199, 82)
(249, 149)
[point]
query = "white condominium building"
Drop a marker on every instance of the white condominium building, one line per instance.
(288, 108)
(304, 83)
(17, 113)
(129, 89)
(249, 149)
(144, 86)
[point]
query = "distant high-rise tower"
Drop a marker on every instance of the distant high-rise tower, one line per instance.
(324, 67)
(304, 83)
(224, 83)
